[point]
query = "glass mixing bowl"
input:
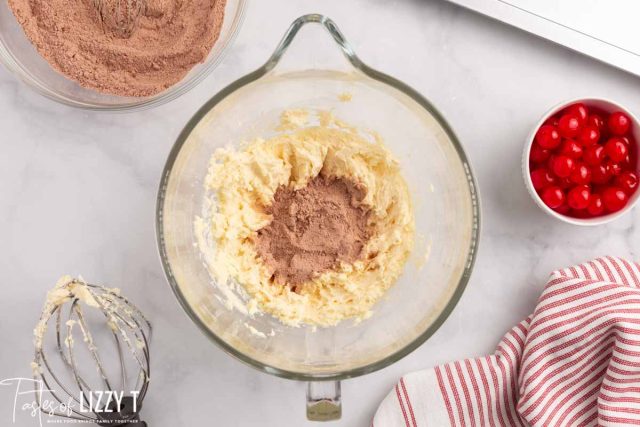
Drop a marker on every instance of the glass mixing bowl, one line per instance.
(433, 163)
(20, 57)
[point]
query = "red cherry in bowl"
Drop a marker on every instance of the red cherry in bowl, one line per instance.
(553, 197)
(581, 174)
(562, 166)
(569, 125)
(548, 137)
(593, 156)
(619, 123)
(578, 197)
(571, 149)
(539, 154)
(589, 135)
(541, 178)
(616, 149)
(596, 121)
(628, 182)
(580, 111)
(614, 199)
(596, 206)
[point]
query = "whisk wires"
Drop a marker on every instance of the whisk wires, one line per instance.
(119, 16)
(69, 384)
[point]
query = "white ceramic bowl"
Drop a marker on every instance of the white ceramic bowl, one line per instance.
(606, 106)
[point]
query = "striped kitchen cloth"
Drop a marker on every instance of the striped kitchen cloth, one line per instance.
(574, 362)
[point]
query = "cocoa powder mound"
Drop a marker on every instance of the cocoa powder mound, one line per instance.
(85, 40)
(313, 229)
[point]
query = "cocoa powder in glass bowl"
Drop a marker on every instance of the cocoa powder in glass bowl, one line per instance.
(84, 40)
(20, 57)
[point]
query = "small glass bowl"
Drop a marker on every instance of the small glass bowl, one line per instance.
(607, 106)
(20, 57)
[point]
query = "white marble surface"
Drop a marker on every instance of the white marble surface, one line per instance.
(77, 195)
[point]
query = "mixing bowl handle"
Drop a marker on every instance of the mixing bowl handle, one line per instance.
(324, 402)
(292, 32)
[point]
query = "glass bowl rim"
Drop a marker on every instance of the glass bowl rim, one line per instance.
(182, 87)
(375, 75)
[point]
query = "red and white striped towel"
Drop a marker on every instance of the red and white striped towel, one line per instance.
(574, 362)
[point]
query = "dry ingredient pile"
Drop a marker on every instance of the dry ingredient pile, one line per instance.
(312, 225)
(313, 229)
(122, 47)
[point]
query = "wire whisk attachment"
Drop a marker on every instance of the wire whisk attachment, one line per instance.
(92, 355)
(119, 17)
